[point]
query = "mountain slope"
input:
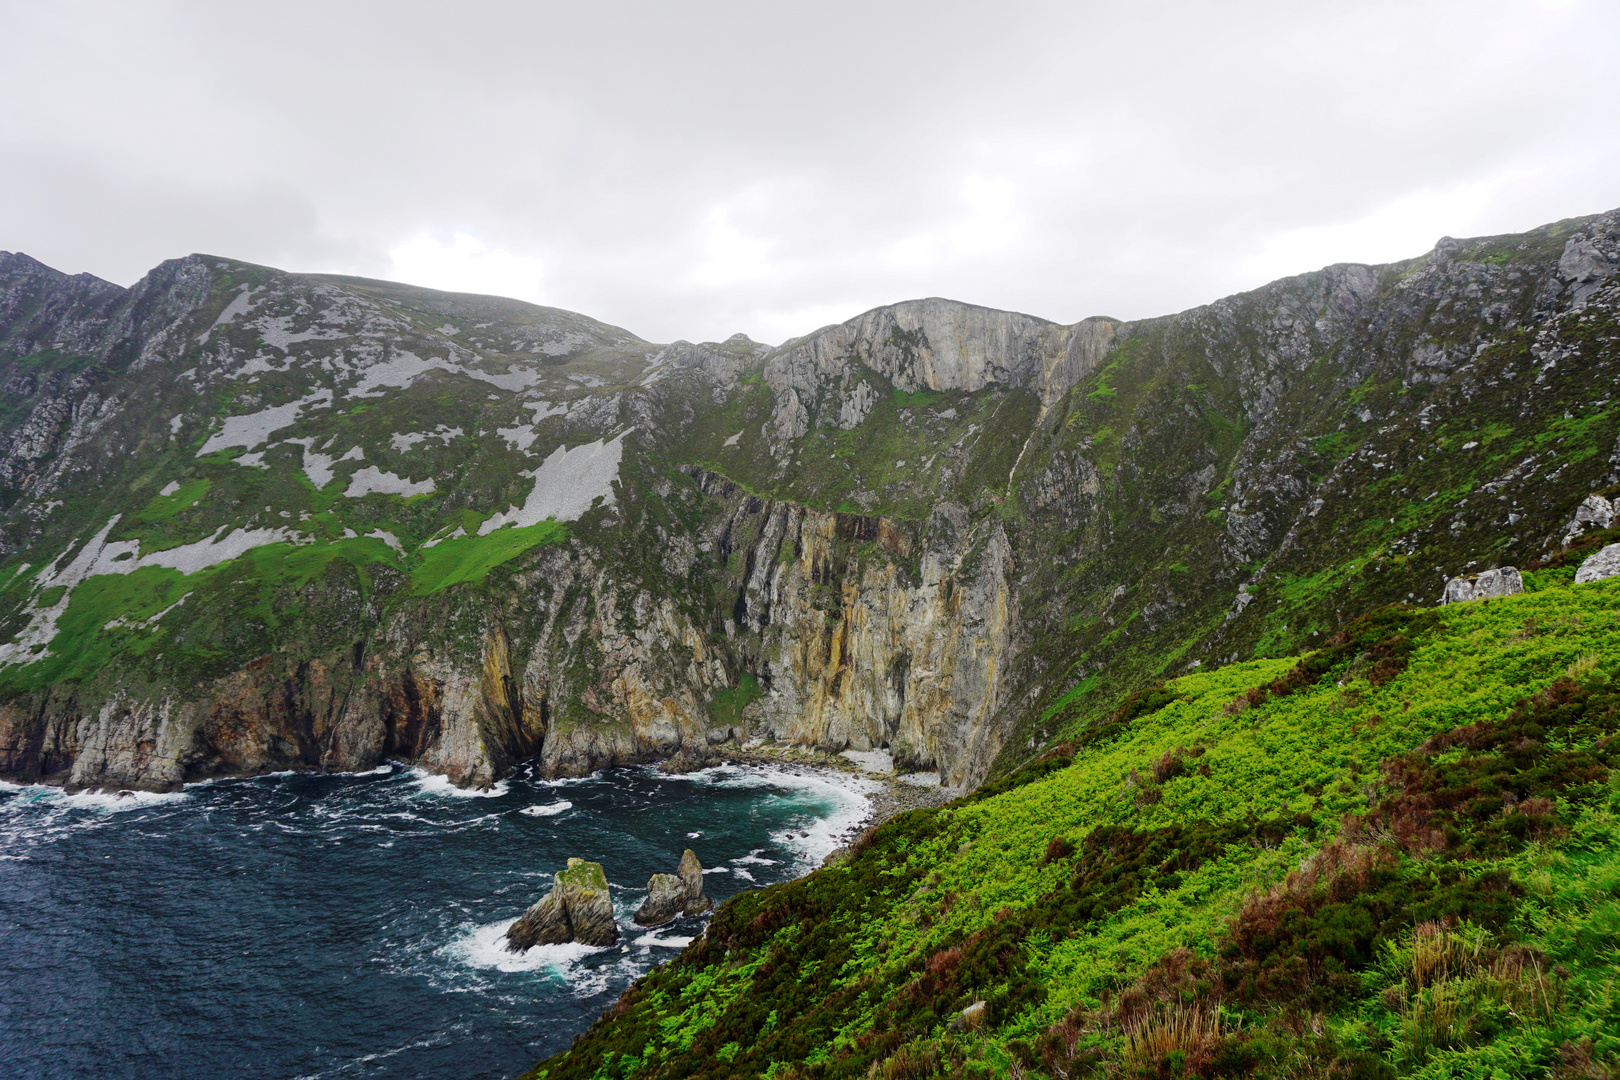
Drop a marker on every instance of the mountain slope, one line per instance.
(1396, 855)
(257, 520)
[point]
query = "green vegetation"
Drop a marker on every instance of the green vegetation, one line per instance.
(184, 498)
(585, 875)
(469, 559)
(1398, 855)
(727, 707)
(917, 398)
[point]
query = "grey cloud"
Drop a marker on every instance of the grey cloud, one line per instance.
(691, 170)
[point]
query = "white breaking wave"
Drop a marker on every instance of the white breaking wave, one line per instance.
(485, 947)
(99, 800)
(660, 941)
(833, 804)
(547, 809)
(439, 784)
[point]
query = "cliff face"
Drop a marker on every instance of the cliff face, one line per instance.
(252, 520)
(871, 632)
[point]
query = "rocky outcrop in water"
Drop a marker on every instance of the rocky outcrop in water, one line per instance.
(669, 896)
(577, 909)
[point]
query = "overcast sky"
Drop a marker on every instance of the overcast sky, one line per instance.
(695, 169)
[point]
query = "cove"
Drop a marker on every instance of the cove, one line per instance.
(335, 926)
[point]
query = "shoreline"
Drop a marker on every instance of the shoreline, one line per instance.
(894, 795)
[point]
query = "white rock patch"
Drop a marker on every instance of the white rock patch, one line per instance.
(388, 538)
(403, 442)
(403, 368)
(566, 484)
(240, 304)
(372, 479)
(170, 488)
(251, 430)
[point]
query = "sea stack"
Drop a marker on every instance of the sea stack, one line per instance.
(672, 895)
(577, 908)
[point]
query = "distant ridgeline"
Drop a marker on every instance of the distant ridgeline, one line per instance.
(255, 520)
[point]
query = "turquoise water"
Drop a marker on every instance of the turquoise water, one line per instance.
(349, 926)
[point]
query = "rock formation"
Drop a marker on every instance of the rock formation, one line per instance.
(578, 908)
(670, 896)
(1605, 563)
(1595, 512)
(1503, 581)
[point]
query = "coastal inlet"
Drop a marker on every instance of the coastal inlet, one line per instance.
(354, 926)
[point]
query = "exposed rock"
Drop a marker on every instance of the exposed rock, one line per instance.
(1503, 581)
(971, 1017)
(1034, 532)
(689, 760)
(670, 896)
(578, 908)
(666, 901)
(544, 923)
(1595, 512)
(590, 909)
(1604, 564)
(691, 874)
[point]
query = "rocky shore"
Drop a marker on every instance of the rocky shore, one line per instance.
(895, 794)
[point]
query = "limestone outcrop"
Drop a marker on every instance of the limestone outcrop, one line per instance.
(577, 909)
(1604, 564)
(1595, 512)
(1503, 581)
(669, 896)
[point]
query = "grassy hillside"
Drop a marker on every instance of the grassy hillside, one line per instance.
(1398, 855)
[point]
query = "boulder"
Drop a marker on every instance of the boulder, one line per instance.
(545, 923)
(689, 760)
(666, 899)
(1604, 564)
(1595, 512)
(1503, 581)
(578, 908)
(691, 874)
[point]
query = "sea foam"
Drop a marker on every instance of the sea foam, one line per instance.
(547, 809)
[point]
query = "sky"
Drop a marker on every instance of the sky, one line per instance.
(699, 169)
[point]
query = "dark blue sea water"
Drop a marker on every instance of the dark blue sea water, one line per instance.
(349, 926)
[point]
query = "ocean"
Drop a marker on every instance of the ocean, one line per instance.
(348, 926)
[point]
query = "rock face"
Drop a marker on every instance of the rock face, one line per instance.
(666, 901)
(691, 874)
(670, 896)
(1595, 512)
(578, 909)
(1503, 581)
(1604, 564)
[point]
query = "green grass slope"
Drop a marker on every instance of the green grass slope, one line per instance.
(1398, 855)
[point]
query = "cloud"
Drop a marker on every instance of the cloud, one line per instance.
(693, 170)
(464, 263)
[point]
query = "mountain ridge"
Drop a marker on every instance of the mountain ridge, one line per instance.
(479, 530)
